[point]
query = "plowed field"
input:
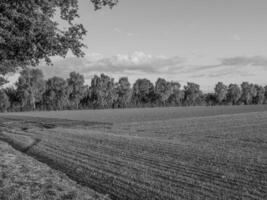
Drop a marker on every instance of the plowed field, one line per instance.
(207, 155)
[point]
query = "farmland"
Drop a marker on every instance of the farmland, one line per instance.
(22, 177)
(157, 153)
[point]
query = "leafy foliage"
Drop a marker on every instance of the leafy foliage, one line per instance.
(56, 94)
(177, 95)
(124, 92)
(234, 93)
(104, 93)
(163, 90)
(220, 91)
(143, 92)
(30, 87)
(4, 101)
(259, 97)
(29, 32)
(33, 92)
(248, 93)
(192, 93)
(76, 87)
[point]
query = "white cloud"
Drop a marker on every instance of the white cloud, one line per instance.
(117, 30)
(124, 32)
(130, 34)
(236, 37)
(204, 70)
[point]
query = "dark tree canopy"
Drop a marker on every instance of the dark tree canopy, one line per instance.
(143, 91)
(30, 87)
(234, 93)
(259, 98)
(76, 87)
(4, 101)
(248, 92)
(192, 93)
(29, 32)
(104, 92)
(35, 93)
(56, 94)
(220, 91)
(177, 95)
(163, 90)
(124, 92)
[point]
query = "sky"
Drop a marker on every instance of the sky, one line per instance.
(202, 41)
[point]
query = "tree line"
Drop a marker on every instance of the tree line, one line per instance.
(33, 92)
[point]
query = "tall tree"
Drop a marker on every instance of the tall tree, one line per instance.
(259, 97)
(143, 92)
(56, 94)
(104, 93)
(163, 91)
(2, 81)
(4, 101)
(30, 87)
(233, 94)
(86, 100)
(177, 95)
(220, 92)
(248, 93)
(124, 92)
(14, 98)
(76, 88)
(265, 95)
(192, 93)
(29, 32)
(211, 99)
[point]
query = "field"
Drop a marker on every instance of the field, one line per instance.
(24, 178)
(157, 153)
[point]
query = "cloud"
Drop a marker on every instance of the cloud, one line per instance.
(200, 69)
(129, 34)
(121, 31)
(136, 63)
(243, 61)
(117, 30)
(236, 37)
(241, 65)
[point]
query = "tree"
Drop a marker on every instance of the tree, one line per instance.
(29, 32)
(265, 95)
(248, 93)
(163, 91)
(14, 98)
(4, 101)
(220, 92)
(192, 93)
(143, 92)
(124, 92)
(2, 81)
(76, 88)
(104, 93)
(259, 98)
(30, 87)
(86, 100)
(177, 95)
(56, 94)
(233, 94)
(211, 99)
